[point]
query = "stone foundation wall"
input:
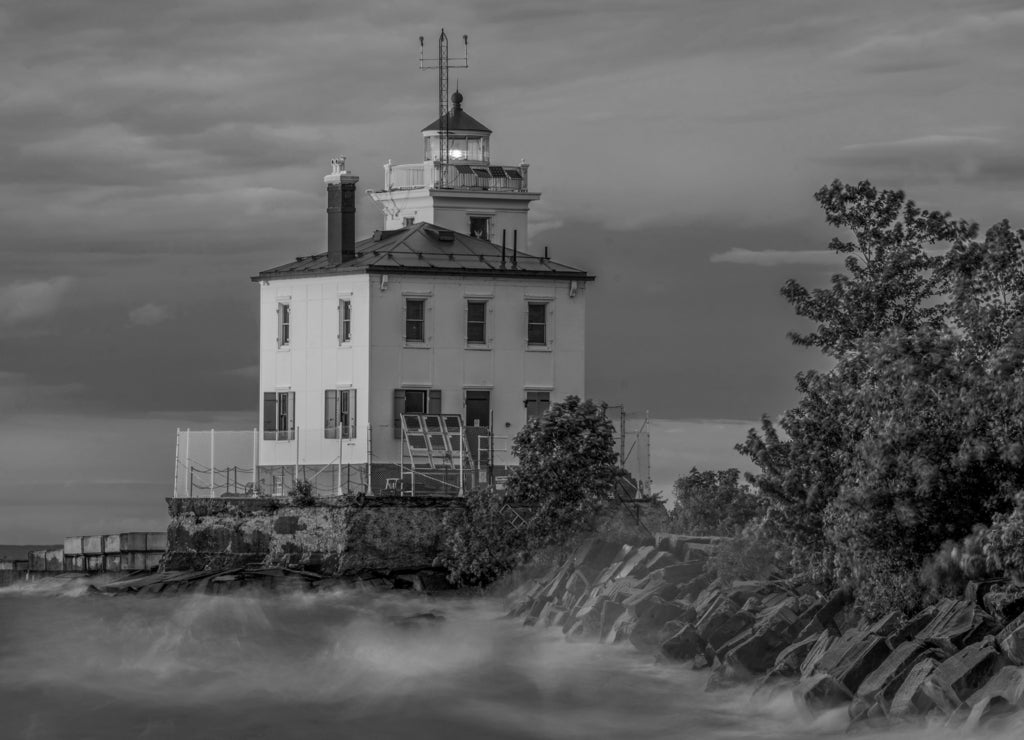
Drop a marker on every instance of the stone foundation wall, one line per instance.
(335, 536)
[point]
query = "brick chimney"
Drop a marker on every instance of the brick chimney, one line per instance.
(341, 213)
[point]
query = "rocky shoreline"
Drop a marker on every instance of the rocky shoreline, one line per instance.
(957, 663)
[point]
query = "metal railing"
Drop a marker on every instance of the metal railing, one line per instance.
(459, 176)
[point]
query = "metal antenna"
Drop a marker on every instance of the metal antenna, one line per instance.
(442, 64)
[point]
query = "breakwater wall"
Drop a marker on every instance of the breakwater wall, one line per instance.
(101, 553)
(959, 662)
(338, 536)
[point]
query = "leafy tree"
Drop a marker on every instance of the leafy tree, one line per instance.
(714, 503)
(565, 480)
(916, 435)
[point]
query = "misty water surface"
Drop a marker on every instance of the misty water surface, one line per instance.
(343, 664)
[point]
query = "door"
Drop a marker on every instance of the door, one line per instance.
(478, 408)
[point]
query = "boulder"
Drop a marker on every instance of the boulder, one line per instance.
(1004, 693)
(912, 626)
(962, 674)
(910, 698)
(818, 693)
(957, 623)
(788, 661)
(594, 556)
(683, 645)
(880, 686)
(852, 657)
(1011, 641)
(756, 653)
(1005, 604)
(721, 622)
(821, 645)
(610, 612)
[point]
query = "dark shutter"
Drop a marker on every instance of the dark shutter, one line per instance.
(352, 413)
(399, 410)
(330, 414)
(269, 412)
(434, 402)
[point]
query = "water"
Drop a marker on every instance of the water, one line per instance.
(344, 664)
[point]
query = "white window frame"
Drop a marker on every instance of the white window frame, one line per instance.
(485, 342)
(549, 323)
(284, 324)
(275, 432)
(344, 402)
(345, 322)
(427, 326)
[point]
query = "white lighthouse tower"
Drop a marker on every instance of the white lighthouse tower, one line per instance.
(467, 193)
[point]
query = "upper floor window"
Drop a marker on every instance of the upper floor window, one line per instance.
(344, 321)
(537, 404)
(537, 324)
(476, 322)
(284, 324)
(407, 221)
(279, 415)
(415, 319)
(480, 227)
(340, 414)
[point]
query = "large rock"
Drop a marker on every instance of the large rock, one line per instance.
(880, 686)
(594, 556)
(788, 661)
(683, 645)
(1002, 694)
(957, 623)
(820, 692)
(824, 641)
(852, 657)
(960, 675)
(721, 622)
(756, 653)
(910, 698)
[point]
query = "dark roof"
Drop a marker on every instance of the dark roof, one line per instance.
(459, 120)
(427, 249)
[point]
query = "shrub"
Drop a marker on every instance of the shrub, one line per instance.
(302, 494)
(714, 503)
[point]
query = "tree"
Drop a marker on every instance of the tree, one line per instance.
(915, 437)
(714, 502)
(565, 479)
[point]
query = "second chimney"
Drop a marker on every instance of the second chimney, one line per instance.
(341, 213)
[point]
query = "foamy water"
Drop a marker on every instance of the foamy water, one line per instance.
(344, 664)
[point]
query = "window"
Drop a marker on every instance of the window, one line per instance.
(480, 227)
(407, 221)
(476, 322)
(537, 404)
(340, 414)
(344, 321)
(414, 401)
(279, 415)
(478, 408)
(537, 324)
(284, 324)
(415, 319)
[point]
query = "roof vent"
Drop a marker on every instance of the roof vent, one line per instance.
(442, 235)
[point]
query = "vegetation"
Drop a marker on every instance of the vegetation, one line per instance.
(714, 503)
(302, 494)
(566, 477)
(914, 440)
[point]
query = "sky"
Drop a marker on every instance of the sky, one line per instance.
(155, 156)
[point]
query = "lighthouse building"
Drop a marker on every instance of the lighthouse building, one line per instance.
(407, 360)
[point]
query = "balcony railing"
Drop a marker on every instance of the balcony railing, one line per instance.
(458, 176)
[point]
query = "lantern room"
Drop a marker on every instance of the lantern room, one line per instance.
(469, 141)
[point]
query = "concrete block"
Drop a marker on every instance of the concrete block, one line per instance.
(74, 563)
(133, 542)
(94, 563)
(112, 562)
(72, 545)
(156, 541)
(92, 544)
(37, 560)
(111, 544)
(140, 560)
(55, 560)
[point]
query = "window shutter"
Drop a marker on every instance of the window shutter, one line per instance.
(341, 319)
(279, 324)
(290, 410)
(352, 413)
(399, 410)
(269, 412)
(330, 410)
(434, 402)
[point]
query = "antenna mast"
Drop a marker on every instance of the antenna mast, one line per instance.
(442, 64)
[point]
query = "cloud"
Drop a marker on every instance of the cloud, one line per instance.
(774, 257)
(938, 158)
(148, 315)
(25, 301)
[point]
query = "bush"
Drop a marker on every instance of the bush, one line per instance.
(565, 479)
(714, 503)
(302, 494)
